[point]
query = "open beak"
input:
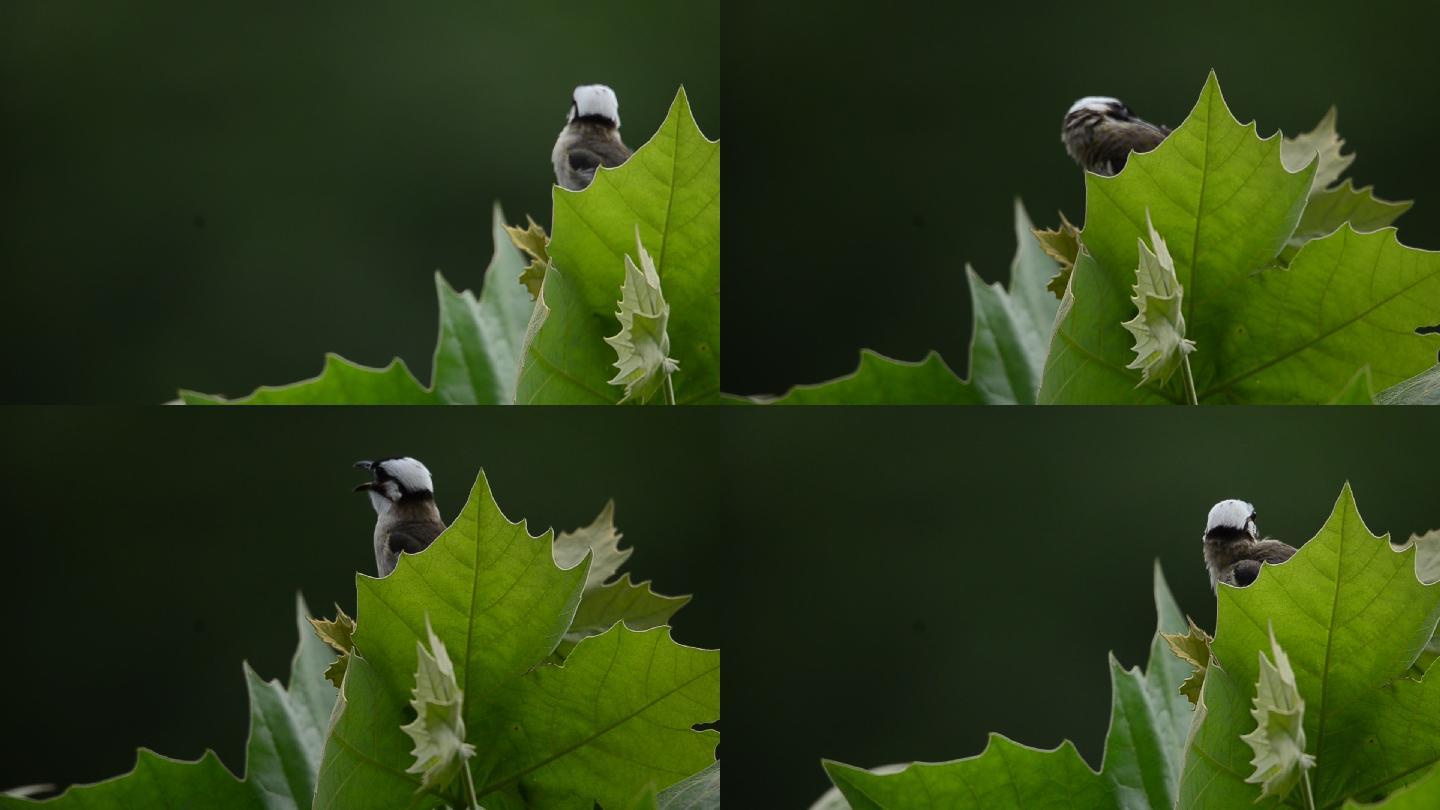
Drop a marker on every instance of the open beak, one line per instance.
(368, 485)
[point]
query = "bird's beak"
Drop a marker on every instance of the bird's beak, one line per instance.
(368, 485)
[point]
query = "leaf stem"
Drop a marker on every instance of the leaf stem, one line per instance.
(475, 800)
(1189, 380)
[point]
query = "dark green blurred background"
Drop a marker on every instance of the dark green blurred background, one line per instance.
(213, 195)
(879, 148)
(886, 584)
(150, 551)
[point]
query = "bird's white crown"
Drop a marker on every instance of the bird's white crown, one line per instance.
(1230, 514)
(1096, 103)
(596, 99)
(409, 473)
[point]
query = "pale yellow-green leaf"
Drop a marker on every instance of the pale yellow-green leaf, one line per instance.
(1427, 555)
(338, 633)
(642, 345)
(1279, 736)
(439, 726)
(533, 242)
(1297, 152)
(1061, 243)
(1159, 324)
(600, 537)
(1192, 647)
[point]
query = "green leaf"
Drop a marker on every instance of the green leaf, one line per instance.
(880, 380)
(671, 187)
(1353, 617)
(1159, 325)
(1427, 556)
(1279, 736)
(642, 346)
(601, 540)
(1061, 243)
(439, 727)
(618, 716)
(635, 604)
(340, 383)
(1328, 210)
(287, 729)
(1298, 152)
(533, 242)
(1007, 346)
(1192, 647)
(338, 633)
(607, 600)
(1227, 205)
(1359, 391)
(1347, 300)
(1422, 795)
(1148, 725)
(477, 355)
(1422, 389)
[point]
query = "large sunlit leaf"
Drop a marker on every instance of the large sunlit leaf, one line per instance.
(618, 716)
(1007, 346)
(670, 189)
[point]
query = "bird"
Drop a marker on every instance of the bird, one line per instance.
(1100, 132)
(590, 139)
(406, 519)
(1234, 551)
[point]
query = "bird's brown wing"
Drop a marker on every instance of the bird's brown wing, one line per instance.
(413, 538)
(1244, 572)
(1272, 551)
(598, 153)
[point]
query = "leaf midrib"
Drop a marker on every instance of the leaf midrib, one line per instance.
(602, 731)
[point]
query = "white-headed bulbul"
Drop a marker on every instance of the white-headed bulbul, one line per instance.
(406, 519)
(1100, 132)
(590, 139)
(1234, 551)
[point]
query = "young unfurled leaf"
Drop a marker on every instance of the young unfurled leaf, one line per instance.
(439, 727)
(533, 242)
(1159, 325)
(643, 343)
(1297, 152)
(338, 633)
(1279, 736)
(600, 537)
(1062, 244)
(1193, 648)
